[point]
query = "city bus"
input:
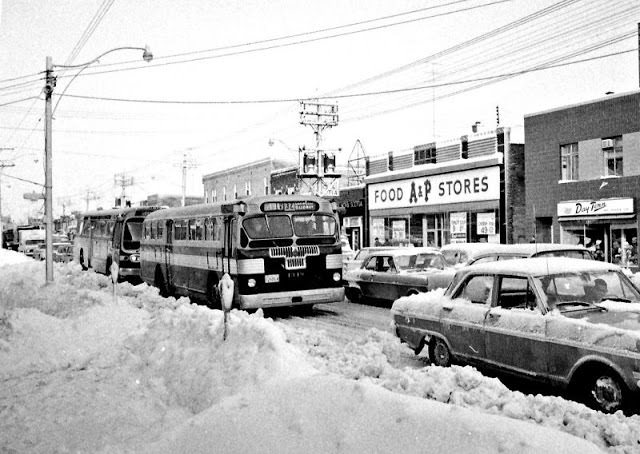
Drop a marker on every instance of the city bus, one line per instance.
(107, 236)
(280, 250)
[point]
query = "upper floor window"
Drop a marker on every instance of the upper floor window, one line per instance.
(569, 161)
(612, 152)
(235, 191)
(266, 186)
(214, 195)
(424, 155)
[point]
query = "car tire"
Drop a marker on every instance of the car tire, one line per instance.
(602, 389)
(355, 295)
(439, 353)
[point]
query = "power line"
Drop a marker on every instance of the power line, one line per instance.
(352, 95)
(295, 43)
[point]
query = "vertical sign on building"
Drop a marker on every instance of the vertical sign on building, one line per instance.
(458, 227)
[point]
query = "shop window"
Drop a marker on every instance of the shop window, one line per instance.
(612, 153)
(569, 161)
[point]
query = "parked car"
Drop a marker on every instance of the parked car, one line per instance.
(62, 252)
(356, 261)
(545, 319)
(388, 274)
(462, 254)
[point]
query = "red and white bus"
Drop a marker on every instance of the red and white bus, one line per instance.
(107, 236)
(280, 250)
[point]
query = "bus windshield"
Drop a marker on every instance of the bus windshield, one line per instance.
(314, 224)
(132, 234)
(268, 226)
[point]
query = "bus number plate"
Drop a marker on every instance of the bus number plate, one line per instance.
(271, 278)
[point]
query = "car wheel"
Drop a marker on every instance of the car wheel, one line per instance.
(439, 353)
(160, 282)
(354, 295)
(604, 390)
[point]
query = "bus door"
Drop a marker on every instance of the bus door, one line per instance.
(228, 246)
(168, 252)
(115, 241)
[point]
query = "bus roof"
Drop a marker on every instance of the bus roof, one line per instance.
(126, 212)
(253, 204)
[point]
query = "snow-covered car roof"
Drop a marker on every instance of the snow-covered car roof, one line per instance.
(524, 248)
(404, 251)
(540, 266)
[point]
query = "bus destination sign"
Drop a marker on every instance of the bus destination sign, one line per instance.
(304, 205)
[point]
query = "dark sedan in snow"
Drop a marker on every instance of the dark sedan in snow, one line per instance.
(570, 323)
(388, 274)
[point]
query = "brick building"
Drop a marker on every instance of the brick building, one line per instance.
(465, 190)
(583, 175)
(253, 178)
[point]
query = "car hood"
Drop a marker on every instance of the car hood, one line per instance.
(627, 320)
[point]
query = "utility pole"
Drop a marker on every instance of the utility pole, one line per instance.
(89, 197)
(317, 168)
(185, 164)
(121, 179)
(48, 174)
(3, 164)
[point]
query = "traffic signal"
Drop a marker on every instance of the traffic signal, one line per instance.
(309, 163)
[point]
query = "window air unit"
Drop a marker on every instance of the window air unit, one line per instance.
(607, 143)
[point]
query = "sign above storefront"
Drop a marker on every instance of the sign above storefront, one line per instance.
(456, 187)
(602, 207)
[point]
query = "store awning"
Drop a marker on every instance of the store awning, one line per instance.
(597, 219)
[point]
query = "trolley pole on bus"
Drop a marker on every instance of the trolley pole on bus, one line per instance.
(50, 83)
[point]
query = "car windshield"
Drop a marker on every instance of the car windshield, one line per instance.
(454, 257)
(268, 226)
(586, 288)
(34, 242)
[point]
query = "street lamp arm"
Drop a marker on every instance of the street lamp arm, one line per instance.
(147, 56)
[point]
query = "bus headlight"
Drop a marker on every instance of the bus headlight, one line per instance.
(134, 257)
(336, 277)
(251, 283)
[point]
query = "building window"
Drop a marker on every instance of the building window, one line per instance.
(569, 161)
(214, 195)
(612, 151)
(224, 193)
(235, 191)
(424, 155)
(266, 186)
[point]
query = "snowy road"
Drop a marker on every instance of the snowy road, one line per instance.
(344, 323)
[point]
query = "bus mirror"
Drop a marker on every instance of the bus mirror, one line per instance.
(240, 208)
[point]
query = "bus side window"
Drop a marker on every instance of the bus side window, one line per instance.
(110, 225)
(208, 229)
(150, 230)
(199, 229)
(218, 229)
(160, 233)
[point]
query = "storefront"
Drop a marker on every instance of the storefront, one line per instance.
(351, 203)
(434, 209)
(609, 227)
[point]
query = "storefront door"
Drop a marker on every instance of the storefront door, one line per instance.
(624, 250)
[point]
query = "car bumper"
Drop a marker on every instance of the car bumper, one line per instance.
(299, 298)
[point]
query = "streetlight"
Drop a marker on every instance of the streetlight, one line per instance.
(50, 83)
(2, 166)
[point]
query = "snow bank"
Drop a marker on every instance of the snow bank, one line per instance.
(86, 373)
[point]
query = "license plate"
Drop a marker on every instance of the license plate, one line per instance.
(271, 278)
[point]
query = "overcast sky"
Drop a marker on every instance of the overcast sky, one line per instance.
(425, 70)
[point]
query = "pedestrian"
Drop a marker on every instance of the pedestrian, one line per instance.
(377, 242)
